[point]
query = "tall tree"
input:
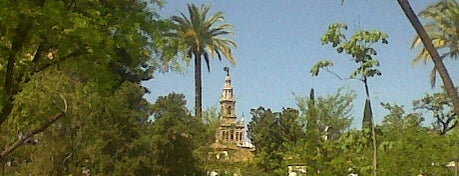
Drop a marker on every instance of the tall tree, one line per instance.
(439, 65)
(203, 37)
(360, 47)
(443, 29)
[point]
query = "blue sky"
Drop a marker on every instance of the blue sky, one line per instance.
(279, 41)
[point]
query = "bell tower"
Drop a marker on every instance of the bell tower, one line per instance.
(228, 100)
(231, 130)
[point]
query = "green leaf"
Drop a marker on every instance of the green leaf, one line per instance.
(320, 65)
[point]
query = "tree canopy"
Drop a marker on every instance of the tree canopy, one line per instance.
(72, 100)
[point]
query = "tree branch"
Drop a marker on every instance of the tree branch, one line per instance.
(22, 140)
(339, 77)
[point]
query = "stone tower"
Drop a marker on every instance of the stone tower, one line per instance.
(231, 131)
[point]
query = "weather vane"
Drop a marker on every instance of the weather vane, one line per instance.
(227, 70)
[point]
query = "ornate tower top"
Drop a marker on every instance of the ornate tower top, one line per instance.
(227, 70)
(227, 95)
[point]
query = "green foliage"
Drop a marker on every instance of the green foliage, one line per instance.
(272, 133)
(308, 136)
(332, 112)
(100, 131)
(407, 148)
(359, 47)
(94, 54)
(176, 134)
(325, 120)
(211, 119)
(203, 35)
(90, 37)
(320, 65)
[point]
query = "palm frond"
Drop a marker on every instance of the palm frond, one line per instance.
(206, 58)
(203, 34)
(218, 54)
(442, 27)
(433, 77)
(219, 16)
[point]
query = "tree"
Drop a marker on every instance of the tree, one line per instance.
(359, 46)
(407, 148)
(211, 122)
(324, 121)
(332, 113)
(272, 133)
(211, 119)
(94, 55)
(263, 132)
(176, 135)
(439, 104)
(439, 66)
(442, 29)
(100, 132)
(203, 38)
(40, 34)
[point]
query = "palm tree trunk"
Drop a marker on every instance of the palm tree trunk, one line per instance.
(447, 82)
(197, 85)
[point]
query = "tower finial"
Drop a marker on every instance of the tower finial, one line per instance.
(227, 70)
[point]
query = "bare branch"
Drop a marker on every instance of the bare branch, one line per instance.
(339, 77)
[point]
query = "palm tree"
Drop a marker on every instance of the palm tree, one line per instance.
(439, 66)
(443, 30)
(203, 37)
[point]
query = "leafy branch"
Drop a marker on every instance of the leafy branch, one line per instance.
(326, 64)
(359, 46)
(29, 135)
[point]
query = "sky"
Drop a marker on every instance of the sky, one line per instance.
(279, 41)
